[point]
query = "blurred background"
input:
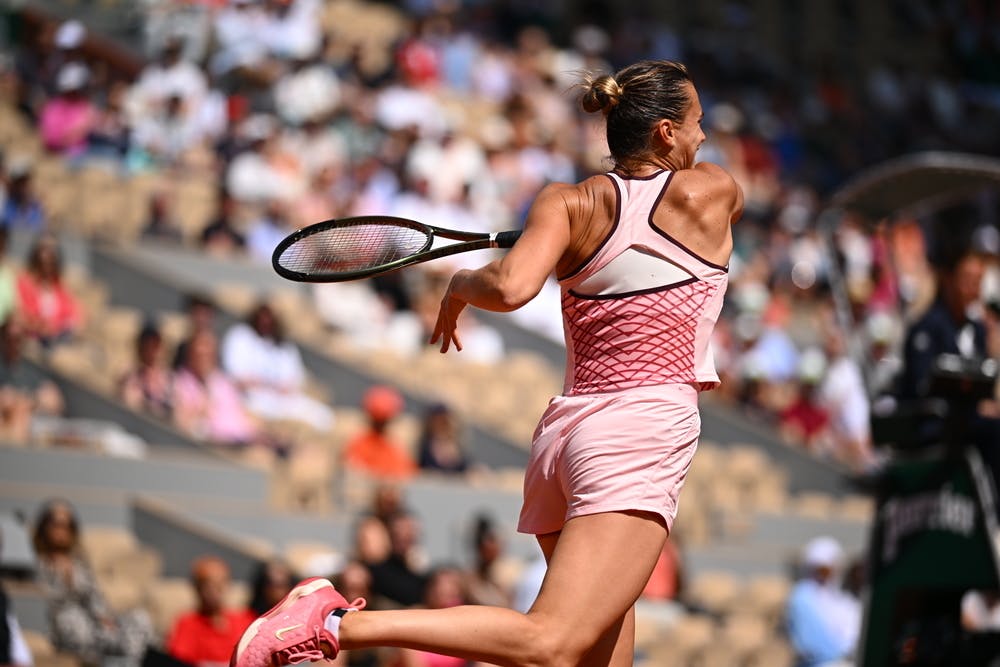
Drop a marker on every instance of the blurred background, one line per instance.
(183, 434)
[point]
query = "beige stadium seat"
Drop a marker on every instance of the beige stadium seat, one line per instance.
(348, 423)
(746, 463)
(717, 654)
(813, 504)
(235, 298)
(73, 359)
(120, 326)
(140, 567)
(765, 596)
(168, 599)
(714, 591)
(121, 594)
(195, 203)
(775, 653)
(44, 654)
(39, 645)
(174, 327)
(103, 545)
(309, 476)
(745, 633)
(685, 638)
(316, 559)
(238, 595)
(856, 508)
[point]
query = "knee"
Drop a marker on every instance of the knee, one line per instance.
(551, 644)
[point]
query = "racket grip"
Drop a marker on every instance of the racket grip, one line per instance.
(506, 239)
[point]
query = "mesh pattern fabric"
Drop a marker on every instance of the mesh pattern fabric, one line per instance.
(635, 340)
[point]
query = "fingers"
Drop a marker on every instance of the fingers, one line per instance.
(446, 327)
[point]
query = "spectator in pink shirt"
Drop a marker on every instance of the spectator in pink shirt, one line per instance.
(68, 118)
(207, 403)
(51, 314)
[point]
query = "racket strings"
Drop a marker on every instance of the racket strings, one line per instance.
(352, 248)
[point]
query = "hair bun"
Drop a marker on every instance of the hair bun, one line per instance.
(603, 94)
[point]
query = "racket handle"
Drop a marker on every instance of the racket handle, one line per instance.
(505, 239)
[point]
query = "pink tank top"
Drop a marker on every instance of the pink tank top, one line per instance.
(641, 309)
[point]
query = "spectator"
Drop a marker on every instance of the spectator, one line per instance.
(399, 577)
(439, 446)
(823, 622)
(80, 620)
(667, 580)
(161, 224)
(981, 611)
(14, 651)
(21, 208)
(804, 420)
(265, 170)
(51, 314)
(271, 583)
(371, 541)
(355, 580)
(241, 37)
(168, 133)
(443, 590)
(148, 387)
(529, 583)
(268, 368)
(68, 119)
(374, 451)
(267, 231)
(843, 396)
(206, 401)
(8, 279)
(221, 237)
(201, 315)
(206, 636)
(170, 76)
(481, 584)
(387, 502)
(23, 394)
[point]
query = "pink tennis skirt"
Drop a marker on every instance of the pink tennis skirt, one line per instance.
(610, 452)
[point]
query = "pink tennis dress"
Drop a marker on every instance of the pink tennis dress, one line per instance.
(638, 316)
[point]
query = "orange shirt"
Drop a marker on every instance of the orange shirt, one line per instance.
(197, 639)
(378, 455)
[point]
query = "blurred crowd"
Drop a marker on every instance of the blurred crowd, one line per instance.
(386, 564)
(457, 113)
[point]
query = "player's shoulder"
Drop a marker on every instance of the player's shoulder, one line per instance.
(705, 176)
(587, 192)
(706, 183)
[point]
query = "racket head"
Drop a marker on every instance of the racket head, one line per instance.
(350, 248)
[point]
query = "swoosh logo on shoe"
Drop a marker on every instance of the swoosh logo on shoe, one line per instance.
(279, 633)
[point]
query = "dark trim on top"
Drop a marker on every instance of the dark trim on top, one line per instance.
(604, 242)
(670, 238)
(622, 295)
(640, 178)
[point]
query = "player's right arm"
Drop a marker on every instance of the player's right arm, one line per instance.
(510, 282)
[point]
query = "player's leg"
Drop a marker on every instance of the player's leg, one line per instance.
(599, 566)
(616, 647)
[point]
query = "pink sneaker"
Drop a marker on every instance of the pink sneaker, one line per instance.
(294, 630)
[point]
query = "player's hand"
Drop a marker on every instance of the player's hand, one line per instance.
(446, 328)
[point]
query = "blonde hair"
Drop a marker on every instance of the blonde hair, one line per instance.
(602, 94)
(633, 100)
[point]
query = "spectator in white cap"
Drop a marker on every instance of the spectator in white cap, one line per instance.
(824, 622)
(68, 118)
(70, 35)
(67, 47)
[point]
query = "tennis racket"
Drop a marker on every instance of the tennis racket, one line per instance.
(365, 246)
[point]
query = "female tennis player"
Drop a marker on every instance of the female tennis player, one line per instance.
(641, 254)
